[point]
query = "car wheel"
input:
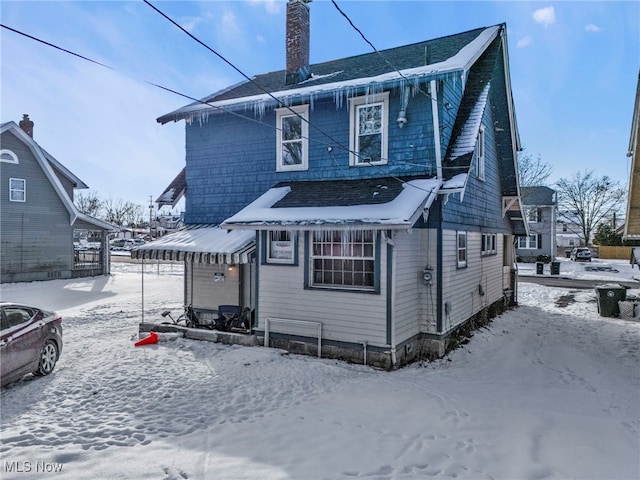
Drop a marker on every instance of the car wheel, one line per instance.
(48, 358)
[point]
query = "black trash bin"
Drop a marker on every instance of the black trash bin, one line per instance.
(555, 268)
(539, 268)
(608, 297)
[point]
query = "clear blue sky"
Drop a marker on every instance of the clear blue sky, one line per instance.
(574, 71)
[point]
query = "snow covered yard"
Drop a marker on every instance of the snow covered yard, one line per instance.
(546, 391)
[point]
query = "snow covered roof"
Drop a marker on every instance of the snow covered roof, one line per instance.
(348, 76)
(289, 205)
(200, 244)
(175, 191)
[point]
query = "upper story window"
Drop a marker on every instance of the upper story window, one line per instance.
(479, 154)
(280, 247)
(534, 215)
(343, 259)
(8, 156)
(293, 138)
(17, 190)
(462, 249)
(369, 129)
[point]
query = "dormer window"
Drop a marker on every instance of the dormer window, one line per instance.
(369, 129)
(292, 138)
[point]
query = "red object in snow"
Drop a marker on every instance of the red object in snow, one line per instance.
(150, 340)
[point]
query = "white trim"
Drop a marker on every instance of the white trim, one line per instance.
(460, 263)
(282, 113)
(355, 103)
(480, 155)
(292, 246)
(22, 190)
(14, 157)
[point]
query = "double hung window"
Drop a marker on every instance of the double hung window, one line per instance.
(292, 138)
(17, 190)
(369, 129)
(343, 259)
(531, 242)
(462, 249)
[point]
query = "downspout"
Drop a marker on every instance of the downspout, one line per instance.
(391, 297)
(436, 128)
(439, 262)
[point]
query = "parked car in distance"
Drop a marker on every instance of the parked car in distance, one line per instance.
(30, 341)
(581, 254)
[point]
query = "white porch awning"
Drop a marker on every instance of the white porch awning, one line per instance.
(201, 244)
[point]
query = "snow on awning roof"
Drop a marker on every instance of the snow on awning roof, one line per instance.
(400, 212)
(200, 244)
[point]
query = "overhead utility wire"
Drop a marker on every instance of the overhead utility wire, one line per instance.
(173, 91)
(277, 100)
(228, 62)
(54, 46)
(216, 107)
(374, 48)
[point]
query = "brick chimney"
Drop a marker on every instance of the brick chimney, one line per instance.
(26, 125)
(297, 41)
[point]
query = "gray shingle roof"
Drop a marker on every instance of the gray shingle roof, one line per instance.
(537, 196)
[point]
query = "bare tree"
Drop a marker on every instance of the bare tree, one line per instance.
(533, 172)
(589, 200)
(88, 203)
(117, 211)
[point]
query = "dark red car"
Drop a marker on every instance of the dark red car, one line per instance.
(30, 341)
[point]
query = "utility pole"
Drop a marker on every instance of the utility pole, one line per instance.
(150, 214)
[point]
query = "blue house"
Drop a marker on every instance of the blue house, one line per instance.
(371, 202)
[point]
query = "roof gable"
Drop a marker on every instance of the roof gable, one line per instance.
(44, 160)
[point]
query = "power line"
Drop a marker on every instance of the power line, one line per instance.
(55, 46)
(216, 107)
(253, 81)
(375, 49)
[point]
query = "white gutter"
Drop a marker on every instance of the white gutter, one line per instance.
(436, 128)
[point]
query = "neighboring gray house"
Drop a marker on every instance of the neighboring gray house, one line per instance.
(539, 204)
(42, 233)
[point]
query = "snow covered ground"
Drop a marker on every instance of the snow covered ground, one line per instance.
(546, 391)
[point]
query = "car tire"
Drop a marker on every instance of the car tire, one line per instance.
(48, 358)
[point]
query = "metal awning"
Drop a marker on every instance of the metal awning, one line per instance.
(207, 244)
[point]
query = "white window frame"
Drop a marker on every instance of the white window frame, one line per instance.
(334, 248)
(480, 155)
(461, 249)
(13, 190)
(535, 213)
(285, 241)
(529, 243)
(355, 103)
(7, 156)
(282, 114)
(489, 242)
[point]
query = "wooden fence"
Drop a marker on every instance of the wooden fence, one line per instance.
(619, 253)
